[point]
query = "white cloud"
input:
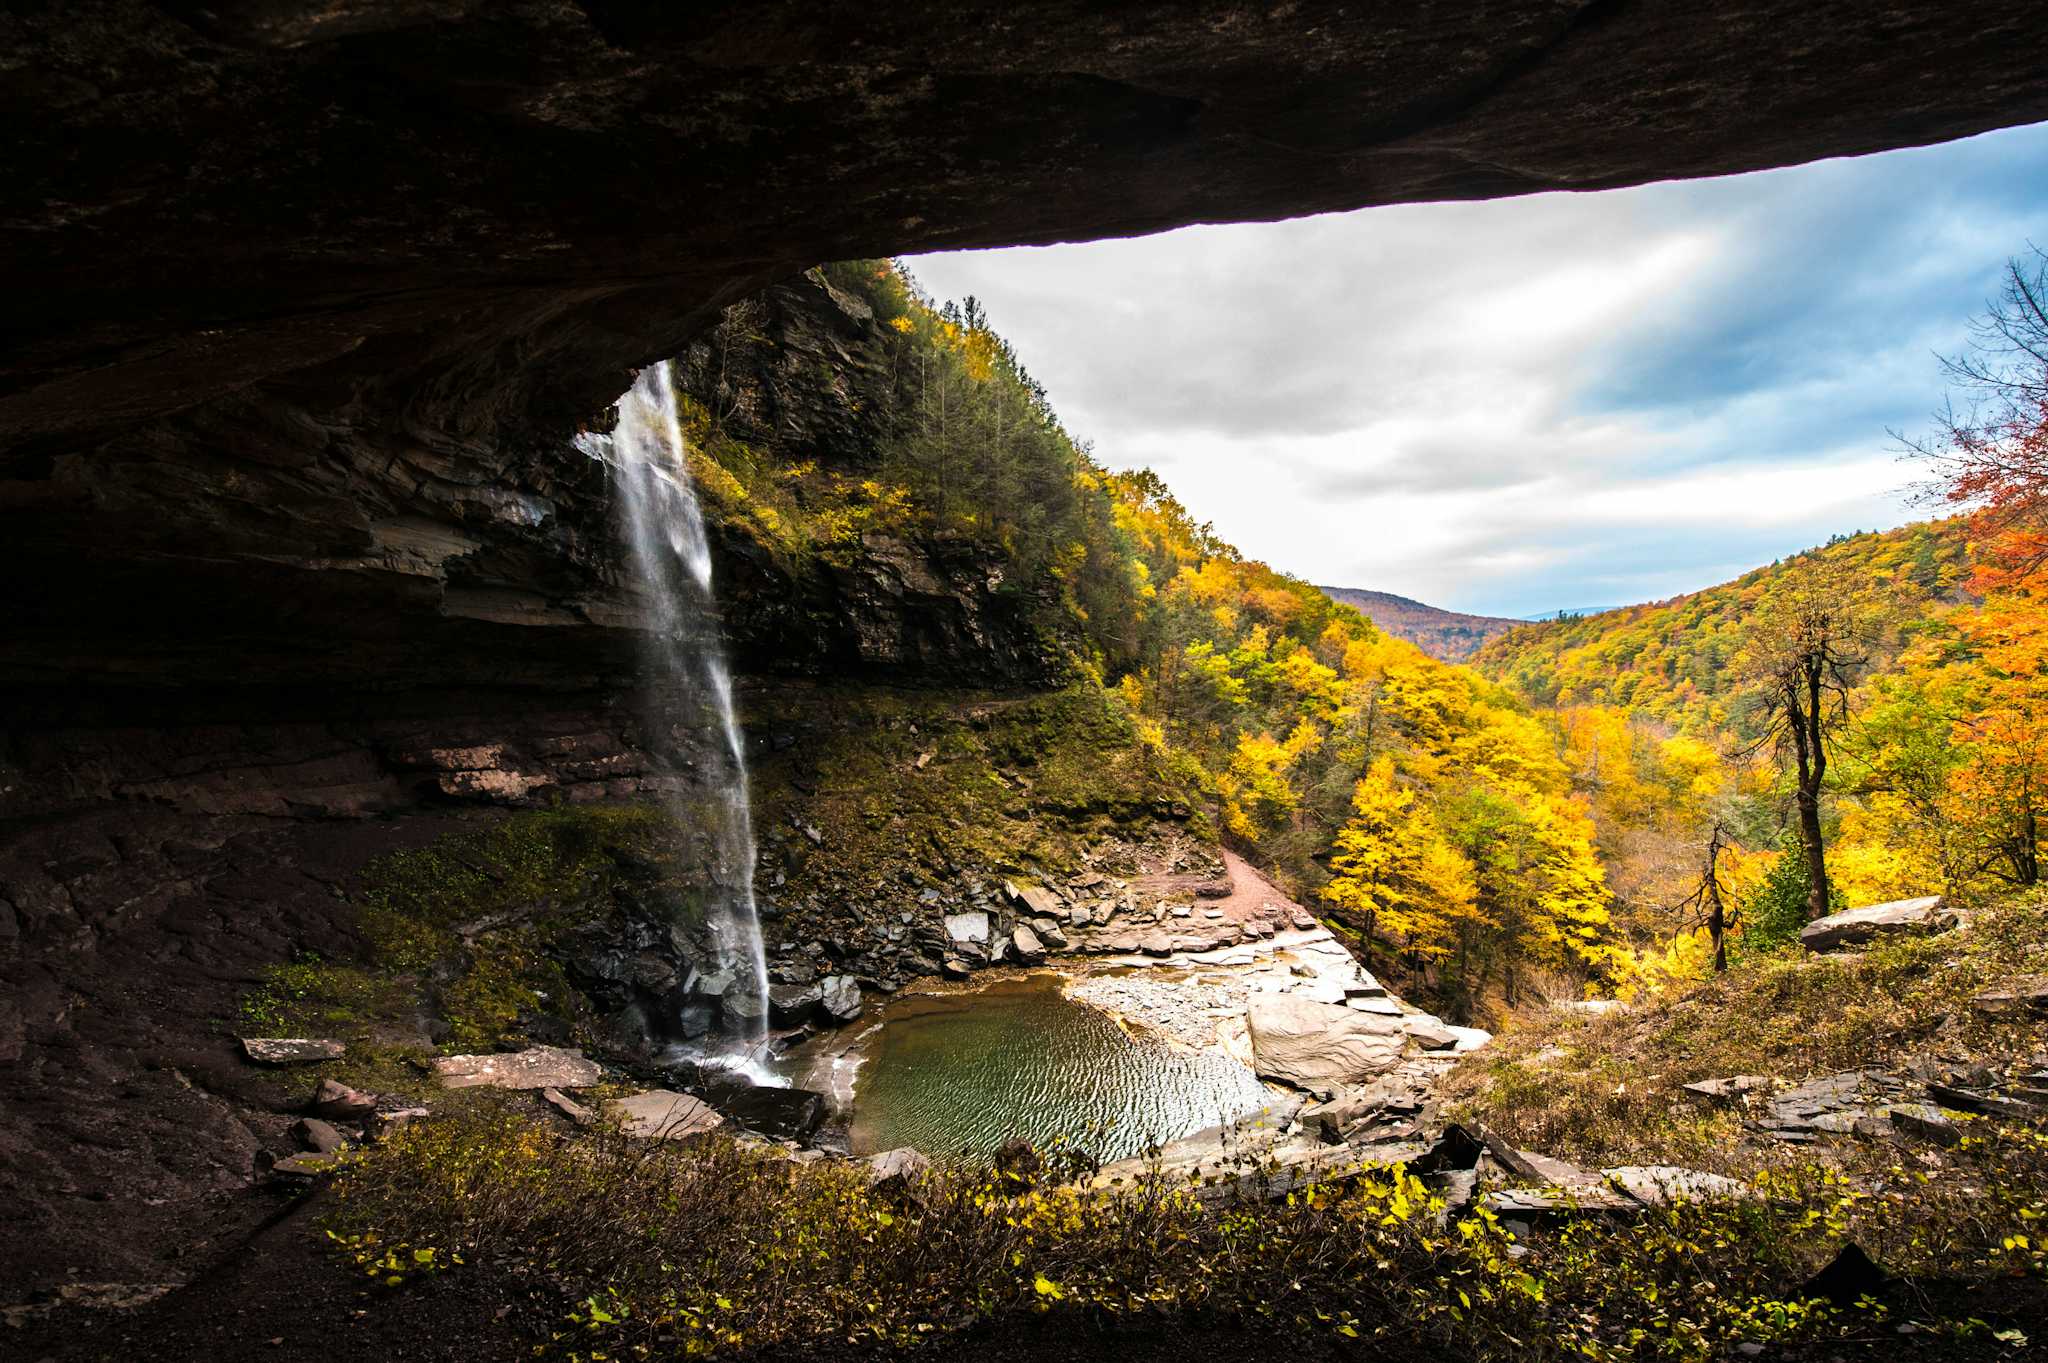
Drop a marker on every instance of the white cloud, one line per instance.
(1554, 401)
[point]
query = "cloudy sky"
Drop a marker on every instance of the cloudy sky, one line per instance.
(1561, 401)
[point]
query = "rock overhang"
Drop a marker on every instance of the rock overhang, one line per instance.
(306, 302)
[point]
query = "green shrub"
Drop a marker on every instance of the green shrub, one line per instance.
(715, 1246)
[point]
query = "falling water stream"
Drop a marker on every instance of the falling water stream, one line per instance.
(692, 687)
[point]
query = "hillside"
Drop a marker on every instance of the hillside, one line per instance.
(1670, 660)
(1450, 636)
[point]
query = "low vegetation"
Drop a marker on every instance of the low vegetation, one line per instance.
(716, 1247)
(458, 931)
(1607, 1089)
(1646, 804)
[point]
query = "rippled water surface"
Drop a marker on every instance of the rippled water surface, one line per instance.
(965, 1072)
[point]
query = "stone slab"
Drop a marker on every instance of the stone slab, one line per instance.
(537, 1067)
(291, 1050)
(661, 1115)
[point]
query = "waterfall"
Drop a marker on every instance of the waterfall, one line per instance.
(670, 556)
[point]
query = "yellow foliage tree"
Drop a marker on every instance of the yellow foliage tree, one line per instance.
(1396, 876)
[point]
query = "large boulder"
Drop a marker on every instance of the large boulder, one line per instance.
(659, 1114)
(1853, 927)
(1321, 1046)
(781, 1113)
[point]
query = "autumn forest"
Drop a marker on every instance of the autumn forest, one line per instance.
(1593, 807)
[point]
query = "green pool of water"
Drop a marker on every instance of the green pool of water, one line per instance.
(962, 1073)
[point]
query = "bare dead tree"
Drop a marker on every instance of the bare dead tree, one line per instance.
(1806, 641)
(1707, 905)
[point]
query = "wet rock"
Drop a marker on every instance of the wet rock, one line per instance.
(1656, 1185)
(338, 1102)
(321, 1137)
(281, 1050)
(778, 1113)
(1319, 1046)
(659, 1114)
(1853, 927)
(792, 1005)
(953, 968)
(840, 998)
(534, 1068)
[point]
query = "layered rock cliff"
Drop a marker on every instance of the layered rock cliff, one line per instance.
(217, 847)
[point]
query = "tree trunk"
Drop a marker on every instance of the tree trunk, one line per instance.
(1809, 748)
(1717, 915)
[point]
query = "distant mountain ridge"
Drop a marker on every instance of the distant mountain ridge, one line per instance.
(1674, 660)
(1569, 612)
(1449, 636)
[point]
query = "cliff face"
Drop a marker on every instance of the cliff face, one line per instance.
(309, 719)
(201, 818)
